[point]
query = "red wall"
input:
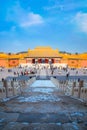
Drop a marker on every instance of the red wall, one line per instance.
(83, 63)
(3, 63)
(13, 63)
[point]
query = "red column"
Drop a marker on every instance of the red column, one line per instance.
(46, 60)
(39, 60)
(33, 61)
(52, 60)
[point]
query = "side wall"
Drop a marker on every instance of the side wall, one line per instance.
(13, 62)
(3, 63)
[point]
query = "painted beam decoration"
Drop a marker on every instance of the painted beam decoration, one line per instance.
(13, 62)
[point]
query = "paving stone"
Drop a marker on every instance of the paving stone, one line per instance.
(14, 126)
(43, 118)
(2, 125)
(7, 117)
(83, 126)
(43, 127)
(32, 126)
(70, 126)
(79, 116)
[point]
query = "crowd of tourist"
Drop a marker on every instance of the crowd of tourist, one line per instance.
(35, 70)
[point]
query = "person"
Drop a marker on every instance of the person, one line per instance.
(2, 79)
(21, 73)
(67, 75)
(78, 79)
(52, 72)
(77, 72)
(14, 73)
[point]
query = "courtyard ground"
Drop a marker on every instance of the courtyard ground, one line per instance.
(42, 106)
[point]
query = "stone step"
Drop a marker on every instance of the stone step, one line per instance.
(44, 117)
(44, 126)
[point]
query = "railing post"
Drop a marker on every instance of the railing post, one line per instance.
(6, 87)
(74, 85)
(80, 86)
(12, 85)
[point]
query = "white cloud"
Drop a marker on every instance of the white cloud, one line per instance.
(32, 19)
(22, 17)
(81, 21)
(66, 6)
(54, 7)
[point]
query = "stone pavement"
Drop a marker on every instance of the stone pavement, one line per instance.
(43, 121)
(43, 108)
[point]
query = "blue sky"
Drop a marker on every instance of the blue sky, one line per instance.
(27, 24)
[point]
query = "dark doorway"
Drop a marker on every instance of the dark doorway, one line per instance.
(33, 61)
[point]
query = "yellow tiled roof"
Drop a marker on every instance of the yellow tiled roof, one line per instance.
(43, 52)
